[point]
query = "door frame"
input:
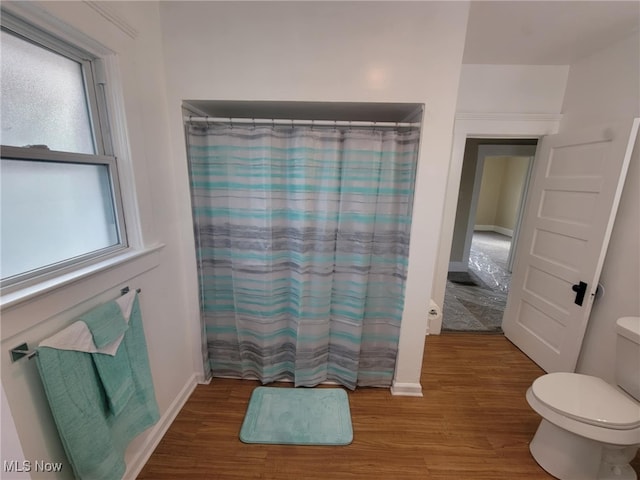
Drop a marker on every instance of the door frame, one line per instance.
(477, 125)
(519, 220)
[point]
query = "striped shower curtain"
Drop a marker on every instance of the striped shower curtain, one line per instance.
(302, 239)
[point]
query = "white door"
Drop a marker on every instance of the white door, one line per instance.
(577, 183)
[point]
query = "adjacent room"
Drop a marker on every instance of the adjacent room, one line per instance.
(493, 186)
(378, 210)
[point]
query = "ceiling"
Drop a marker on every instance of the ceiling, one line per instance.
(545, 32)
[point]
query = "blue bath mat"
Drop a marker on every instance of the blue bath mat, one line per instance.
(298, 416)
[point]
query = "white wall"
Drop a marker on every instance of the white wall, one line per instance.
(331, 52)
(604, 87)
(131, 32)
(512, 88)
(493, 174)
(10, 445)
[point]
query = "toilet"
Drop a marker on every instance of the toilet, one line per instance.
(590, 430)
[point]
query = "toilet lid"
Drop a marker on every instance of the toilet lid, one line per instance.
(587, 399)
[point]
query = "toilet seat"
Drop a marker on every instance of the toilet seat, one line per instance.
(587, 399)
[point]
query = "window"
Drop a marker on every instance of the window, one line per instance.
(60, 203)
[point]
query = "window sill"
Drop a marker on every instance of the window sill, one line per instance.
(134, 257)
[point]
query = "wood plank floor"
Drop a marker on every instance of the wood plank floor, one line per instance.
(473, 422)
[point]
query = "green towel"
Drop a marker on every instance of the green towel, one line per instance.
(95, 438)
(116, 378)
(106, 324)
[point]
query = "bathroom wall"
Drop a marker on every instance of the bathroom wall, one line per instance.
(604, 88)
(512, 88)
(328, 52)
(131, 32)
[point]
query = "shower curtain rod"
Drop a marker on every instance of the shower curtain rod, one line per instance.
(297, 122)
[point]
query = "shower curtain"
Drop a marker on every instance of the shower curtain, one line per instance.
(302, 239)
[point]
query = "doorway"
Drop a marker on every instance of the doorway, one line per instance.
(493, 186)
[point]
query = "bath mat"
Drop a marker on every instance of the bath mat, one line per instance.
(298, 416)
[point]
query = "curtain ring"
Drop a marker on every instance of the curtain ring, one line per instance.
(313, 124)
(231, 122)
(254, 121)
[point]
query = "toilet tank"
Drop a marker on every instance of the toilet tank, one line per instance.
(628, 355)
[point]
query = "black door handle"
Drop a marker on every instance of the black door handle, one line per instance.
(580, 289)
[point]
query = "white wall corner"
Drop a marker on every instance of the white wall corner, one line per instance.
(406, 389)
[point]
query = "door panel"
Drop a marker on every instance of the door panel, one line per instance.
(576, 188)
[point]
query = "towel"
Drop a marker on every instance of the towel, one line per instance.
(77, 336)
(116, 378)
(94, 437)
(107, 324)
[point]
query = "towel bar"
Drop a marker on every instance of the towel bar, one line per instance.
(126, 290)
(22, 350)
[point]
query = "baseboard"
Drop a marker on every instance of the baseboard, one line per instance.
(503, 231)
(493, 228)
(201, 380)
(152, 439)
(406, 389)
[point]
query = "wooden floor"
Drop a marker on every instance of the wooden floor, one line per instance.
(473, 422)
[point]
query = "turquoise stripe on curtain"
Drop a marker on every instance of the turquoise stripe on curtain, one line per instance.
(302, 238)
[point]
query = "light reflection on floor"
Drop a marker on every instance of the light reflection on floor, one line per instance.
(479, 307)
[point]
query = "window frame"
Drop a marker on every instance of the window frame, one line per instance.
(95, 84)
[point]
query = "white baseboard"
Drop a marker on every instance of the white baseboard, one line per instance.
(493, 228)
(406, 389)
(153, 437)
(434, 326)
(503, 231)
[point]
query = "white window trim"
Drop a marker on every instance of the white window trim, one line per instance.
(110, 78)
(11, 299)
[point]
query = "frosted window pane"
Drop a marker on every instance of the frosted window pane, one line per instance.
(53, 212)
(43, 99)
